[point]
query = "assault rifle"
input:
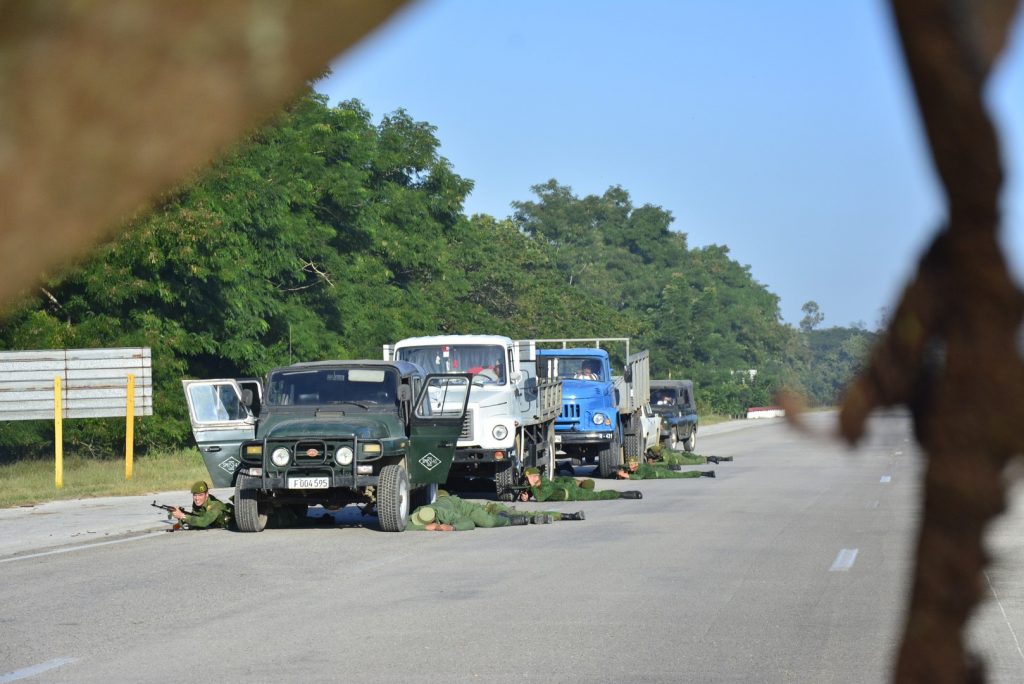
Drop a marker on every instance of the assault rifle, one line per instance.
(169, 509)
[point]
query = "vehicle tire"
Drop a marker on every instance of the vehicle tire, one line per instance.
(632, 444)
(609, 460)
(549, 457)
(424, 496)
(673, 439)
(504, 480)
(393, 498)
(250, 512)
(690, 443)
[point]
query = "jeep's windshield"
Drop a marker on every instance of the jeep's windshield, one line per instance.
(485, 361)
(581, 368)
(311, 387)
(664, 397)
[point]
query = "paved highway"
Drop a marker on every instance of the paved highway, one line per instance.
(790, 566)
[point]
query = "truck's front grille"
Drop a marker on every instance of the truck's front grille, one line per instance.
(570, 410)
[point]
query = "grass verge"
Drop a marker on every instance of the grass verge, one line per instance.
(32, 481)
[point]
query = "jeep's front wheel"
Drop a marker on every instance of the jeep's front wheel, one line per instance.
(690, 443)
(250, 512)
(393, 498)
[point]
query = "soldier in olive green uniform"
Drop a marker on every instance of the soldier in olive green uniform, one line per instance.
(451, 513)
(644, 471)
(568, 489)
(207, 510)
(663, 455)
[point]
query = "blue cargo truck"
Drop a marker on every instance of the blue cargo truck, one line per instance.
(604, 418)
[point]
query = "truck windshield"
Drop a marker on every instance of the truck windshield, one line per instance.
(485, 361)
(320, 386)
(580, 368)
(664, 397)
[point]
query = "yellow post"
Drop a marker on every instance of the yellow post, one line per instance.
(58, 435)
(129, 430)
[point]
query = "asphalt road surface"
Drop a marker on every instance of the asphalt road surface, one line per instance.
(790, 566)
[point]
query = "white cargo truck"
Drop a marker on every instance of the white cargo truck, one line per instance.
(513, 403)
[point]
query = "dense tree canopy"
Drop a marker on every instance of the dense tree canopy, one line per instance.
(325, 235)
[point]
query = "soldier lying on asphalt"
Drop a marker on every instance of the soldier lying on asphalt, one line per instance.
(661, 454)
(207, 510)
(644, 471)
(454, 514)
(567, 489)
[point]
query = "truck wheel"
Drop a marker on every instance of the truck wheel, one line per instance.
(250, 512)
(690, 443)
(504, 481)
(424, 496)
(609, 460)
(393, 498)
(632, 444)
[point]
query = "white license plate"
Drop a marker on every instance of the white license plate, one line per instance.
(309, 482)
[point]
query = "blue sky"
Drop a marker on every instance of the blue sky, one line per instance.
(785, 130)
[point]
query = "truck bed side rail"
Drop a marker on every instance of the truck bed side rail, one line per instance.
(549, 398)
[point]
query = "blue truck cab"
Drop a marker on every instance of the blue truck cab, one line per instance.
(588, 424)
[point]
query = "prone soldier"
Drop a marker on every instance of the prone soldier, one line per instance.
(644, 471)
(567, 489)
(454, 514)
(207, 510)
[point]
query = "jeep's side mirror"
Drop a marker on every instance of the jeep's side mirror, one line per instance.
(247, 398)
(628, 375)
(404, 393)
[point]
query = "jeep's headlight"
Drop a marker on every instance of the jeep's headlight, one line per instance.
(343, 456)
(499, 432)
(280, 456)
(598, 419)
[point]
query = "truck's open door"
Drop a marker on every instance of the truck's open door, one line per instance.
(435, 426)
(220, 423)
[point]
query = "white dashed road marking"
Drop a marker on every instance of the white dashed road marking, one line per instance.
(35, 669)
(79, 548)
(886, 479)
(844, 560)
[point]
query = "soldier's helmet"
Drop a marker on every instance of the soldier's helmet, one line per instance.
(200, 487)
(587, 484)
(442, 493)
(424, 515)
(531, 471)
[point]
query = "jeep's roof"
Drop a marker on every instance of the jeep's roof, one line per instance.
(593, 352)
(671, 383)
(432, 340)
(403, 367)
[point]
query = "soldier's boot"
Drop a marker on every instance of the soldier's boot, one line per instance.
(518, 520)
(631, 494)
(708, 473)
(711, 459)
(675, 466)
(723, 458)
(578, 515)
(541, 519)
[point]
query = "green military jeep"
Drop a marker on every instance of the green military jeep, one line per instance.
(329, 433)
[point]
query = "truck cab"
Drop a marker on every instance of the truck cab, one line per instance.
(588, 424)
(330, 433)
(674, 401)
(510, 416)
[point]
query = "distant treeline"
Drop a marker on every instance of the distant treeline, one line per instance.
(324, 236)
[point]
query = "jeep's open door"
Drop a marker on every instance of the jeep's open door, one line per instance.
(435, 427)
(220, 423)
